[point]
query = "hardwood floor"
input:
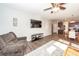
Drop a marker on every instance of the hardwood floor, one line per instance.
(34, 45)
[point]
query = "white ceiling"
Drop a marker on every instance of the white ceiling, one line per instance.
(37, 9)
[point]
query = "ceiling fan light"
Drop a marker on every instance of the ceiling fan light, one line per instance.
(56, 9)
(72, 21)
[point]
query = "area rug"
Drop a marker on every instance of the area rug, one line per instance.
(52, 48)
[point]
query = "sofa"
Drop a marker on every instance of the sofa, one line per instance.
(11, 45)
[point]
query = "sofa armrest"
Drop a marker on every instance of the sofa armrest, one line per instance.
(22, 38)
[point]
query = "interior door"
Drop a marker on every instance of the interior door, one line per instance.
(52, 29)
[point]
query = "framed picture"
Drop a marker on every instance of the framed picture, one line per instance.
(15, 22)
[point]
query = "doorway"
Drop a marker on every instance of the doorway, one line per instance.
(52, 29)
(61, 28)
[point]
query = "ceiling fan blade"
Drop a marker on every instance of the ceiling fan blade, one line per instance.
(62, 8)
(53, 4)
(62, 3)
(47, 8)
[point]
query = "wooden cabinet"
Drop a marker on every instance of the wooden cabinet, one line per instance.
(77, 37)
(60, 31)
(60, 24)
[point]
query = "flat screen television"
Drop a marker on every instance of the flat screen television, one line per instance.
(36, 24)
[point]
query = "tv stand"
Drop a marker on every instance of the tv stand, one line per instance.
(37, 36)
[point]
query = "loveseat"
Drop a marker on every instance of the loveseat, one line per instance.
(10, 45)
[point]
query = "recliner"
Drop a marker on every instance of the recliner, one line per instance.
(10, 45)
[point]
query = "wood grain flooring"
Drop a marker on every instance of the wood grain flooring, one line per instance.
(34, 45)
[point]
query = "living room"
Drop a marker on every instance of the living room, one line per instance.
(32, 21)
(24, 22)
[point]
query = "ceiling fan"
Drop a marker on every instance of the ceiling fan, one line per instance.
(56, 6)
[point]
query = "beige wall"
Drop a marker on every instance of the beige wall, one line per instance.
(55, 26)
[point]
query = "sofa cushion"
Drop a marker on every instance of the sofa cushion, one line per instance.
(13, 49)
(9, 37)
(2, 43)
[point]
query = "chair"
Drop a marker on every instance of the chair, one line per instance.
(71, 51)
